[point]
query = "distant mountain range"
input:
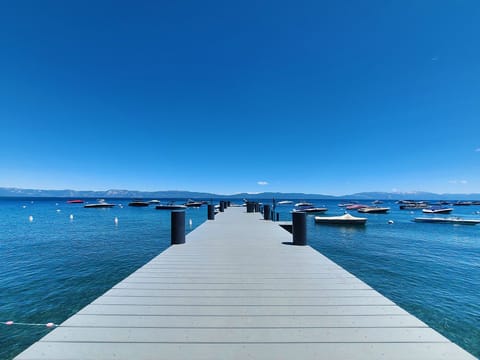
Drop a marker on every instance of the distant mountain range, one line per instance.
(177, 194)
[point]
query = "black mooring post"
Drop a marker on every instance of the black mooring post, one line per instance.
(299, 228)
(211, 212)
(278, 216)
(250, 207)
(266, 212)
(222, 206)
(178, 227)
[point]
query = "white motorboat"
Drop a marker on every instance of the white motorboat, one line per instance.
(437, 210)
(345, 219)
(448, 220)
(311, 209)
(101, 204)
(300, 204)
(374, 210)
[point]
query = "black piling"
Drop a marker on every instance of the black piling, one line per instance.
(178, 227)
(211, 212)
(266, 212)
(299, 228)
(222, 206)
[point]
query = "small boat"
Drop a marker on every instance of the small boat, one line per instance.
(463, 203)
(448, 220)
(192, 203)
(345, 219)
(344, 205)
(311, 209)
(376, 202)
(356, 206)
(77, 201)
(284, 202)
(170, 206)
(437, 210)
(414, 206)
(138, 203)
(374, 210)
(154, 201)
(303, 204)
(101, 204)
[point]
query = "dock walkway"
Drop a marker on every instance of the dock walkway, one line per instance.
(237, 290)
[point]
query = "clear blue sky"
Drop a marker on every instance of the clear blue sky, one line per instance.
(313, 96)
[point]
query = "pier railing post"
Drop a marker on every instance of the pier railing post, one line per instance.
(299, 228)
(250, 207)
(222, 206)
(211, 212)
(178, 227)
(266, 212)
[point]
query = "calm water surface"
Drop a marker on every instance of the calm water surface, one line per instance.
(53, 266)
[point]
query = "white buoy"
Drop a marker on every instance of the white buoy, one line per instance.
(115, 220)
(71, 216)
(190, 222)
(24, 206)
(390, 221)
(58, 210)
(30, 218)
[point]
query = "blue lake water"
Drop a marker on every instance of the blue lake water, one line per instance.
(53, 266)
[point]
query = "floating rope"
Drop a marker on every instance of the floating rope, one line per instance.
(10, 323)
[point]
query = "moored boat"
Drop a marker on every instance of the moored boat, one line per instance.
(101, 204)
(414, 205)
(356, 206)
(192, 203)
(437, 210)
(374, 210)
(448, 220)
(303, 204)
(138, 203)
(170, 206)
(345, 219)
(311, 209)
(463, 203)
(76, 201)
(308, 208)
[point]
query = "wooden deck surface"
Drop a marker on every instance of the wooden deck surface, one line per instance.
(236, 291)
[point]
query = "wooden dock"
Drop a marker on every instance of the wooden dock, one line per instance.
(235, 290)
